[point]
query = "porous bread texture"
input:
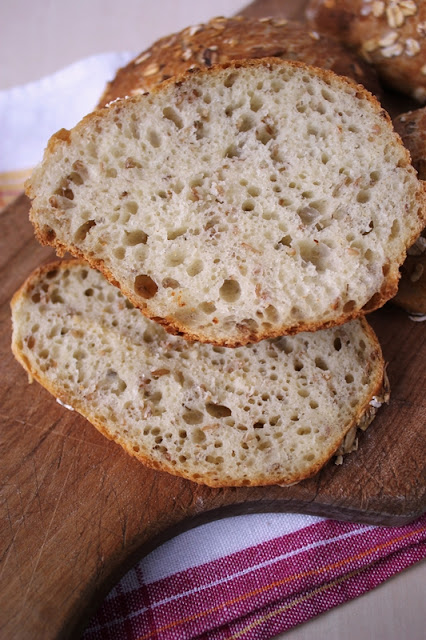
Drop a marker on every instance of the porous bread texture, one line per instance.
(273, 412)
(238, 203)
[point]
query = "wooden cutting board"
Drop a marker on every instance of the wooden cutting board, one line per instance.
(77, 512)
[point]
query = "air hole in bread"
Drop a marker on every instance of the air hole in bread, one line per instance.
(395, 230)
(321, 363)
(176, 233)
(232, 152)
(132, 207)
(337, 344)
(314, 253)
(195, 268)
(171, 114)
(266, 133)
(304, 431)
(207, 307)
(200, 130)
(132, 238)
(218, 410)
(272, 314)
(248, 205)
(298, 366)
(363, 196)
(308, 215)
(253, 191)
(325, 158)
(154, 138)
(198, 436)
(192, 416)
(245, 122)
(349, 378)
(230, 290)
(170, 283)
(83, 230)
(230, 79)
(119, 253)
(256, 103)
(145, 286)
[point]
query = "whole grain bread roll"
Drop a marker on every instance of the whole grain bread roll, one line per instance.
(389, 34)
(224, 39)
(237, 203)
(411, 126)
(411, 295)
(272, 413)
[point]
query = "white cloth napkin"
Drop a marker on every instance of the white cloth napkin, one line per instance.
(31, 113)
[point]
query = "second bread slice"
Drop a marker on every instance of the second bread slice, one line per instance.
(274, 412)
(237, 203)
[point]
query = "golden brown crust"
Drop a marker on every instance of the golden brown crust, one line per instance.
(225, 39)
(172, 325)
(363, 411)
(390, 34)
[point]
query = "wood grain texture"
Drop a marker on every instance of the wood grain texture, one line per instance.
(76, 511)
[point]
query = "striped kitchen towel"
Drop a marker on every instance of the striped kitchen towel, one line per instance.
(257, 591)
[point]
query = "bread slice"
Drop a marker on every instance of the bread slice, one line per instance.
(239, 203)
(222, 40)
(274, 412)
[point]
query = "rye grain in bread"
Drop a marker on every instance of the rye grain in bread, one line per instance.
(270, 413)
(239, 203)
(389, 34)
(222, 40)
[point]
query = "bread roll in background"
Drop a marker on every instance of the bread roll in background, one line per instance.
(225, 39)
(389, 34)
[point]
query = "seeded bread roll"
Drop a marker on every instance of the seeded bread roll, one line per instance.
(237, 203)
(411, 294)
(225, 39)
(390, 34)
(411, 126)
(270, 413)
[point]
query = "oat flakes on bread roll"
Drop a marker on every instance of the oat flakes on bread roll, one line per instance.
(390, 34)
(237, 203)
(224, 39)
(271, 413)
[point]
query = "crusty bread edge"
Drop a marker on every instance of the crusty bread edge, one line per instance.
(46, 236)
(365, 412)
